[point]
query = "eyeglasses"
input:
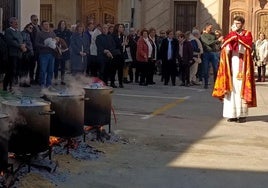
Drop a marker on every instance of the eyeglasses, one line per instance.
(30, 27)
(35, 19)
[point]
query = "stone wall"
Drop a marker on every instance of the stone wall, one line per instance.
(209, 11)
(157, 14)
(62, 10)
(160, 13)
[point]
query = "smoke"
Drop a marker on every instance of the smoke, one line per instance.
(77, 83)
(9, 117)
(74, 86)
(4, 128)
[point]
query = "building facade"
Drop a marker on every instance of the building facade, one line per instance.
(160, 14)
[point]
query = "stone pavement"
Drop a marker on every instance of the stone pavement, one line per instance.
(177, 139)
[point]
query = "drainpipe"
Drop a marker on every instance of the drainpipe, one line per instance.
(132, 13)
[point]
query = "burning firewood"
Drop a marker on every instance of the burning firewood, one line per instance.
(53, 141)
(71, 144)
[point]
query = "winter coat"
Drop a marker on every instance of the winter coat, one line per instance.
(14, 40)
(78, 43)
(142, 50)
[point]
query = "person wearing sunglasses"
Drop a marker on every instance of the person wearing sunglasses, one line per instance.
(34, 74)
(27, 56)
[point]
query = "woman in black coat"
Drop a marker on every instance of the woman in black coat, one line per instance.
(185, 58)
(118, 60)
(65, 34)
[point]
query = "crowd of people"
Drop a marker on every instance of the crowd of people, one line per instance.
(39, 53)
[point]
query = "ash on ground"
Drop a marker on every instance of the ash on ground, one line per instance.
(77, 148)
(103, 136)
(54, 178)
(38, 165)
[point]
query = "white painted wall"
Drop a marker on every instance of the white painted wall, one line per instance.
(210, 12)
(25, 9)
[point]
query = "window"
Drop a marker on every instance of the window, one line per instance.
(185, 15)
(46, 12)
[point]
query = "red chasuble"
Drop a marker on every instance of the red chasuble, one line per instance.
(223, 83)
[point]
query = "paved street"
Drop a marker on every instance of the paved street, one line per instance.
(177, 138)
(184, 129)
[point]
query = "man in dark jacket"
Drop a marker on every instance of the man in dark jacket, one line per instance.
(105, 50)
(34, 75)
(168, 54)
(16, 47)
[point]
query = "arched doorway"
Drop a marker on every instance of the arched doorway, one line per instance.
(99, 11)
(262, 23)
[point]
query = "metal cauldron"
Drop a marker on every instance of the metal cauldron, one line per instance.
(98, 108)
(4, 125)
(30, 125)
(68, 120)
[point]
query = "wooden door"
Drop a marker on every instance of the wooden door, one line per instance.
(185, 15)
(8, 8)
(99, 11)
(262, 23)
(46, 12)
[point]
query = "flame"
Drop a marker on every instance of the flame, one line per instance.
(54, 140)
(11, 155)
(90, 127)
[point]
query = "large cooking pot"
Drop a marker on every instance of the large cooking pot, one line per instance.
(68, 120)
(98, 108)
(30, 125)
(3, 141)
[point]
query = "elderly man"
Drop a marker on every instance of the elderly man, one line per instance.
(106, 51)
(16, 47)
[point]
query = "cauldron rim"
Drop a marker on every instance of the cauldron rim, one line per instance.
(18, 103)
(3, 115)
(63, 94)
(104, 88)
